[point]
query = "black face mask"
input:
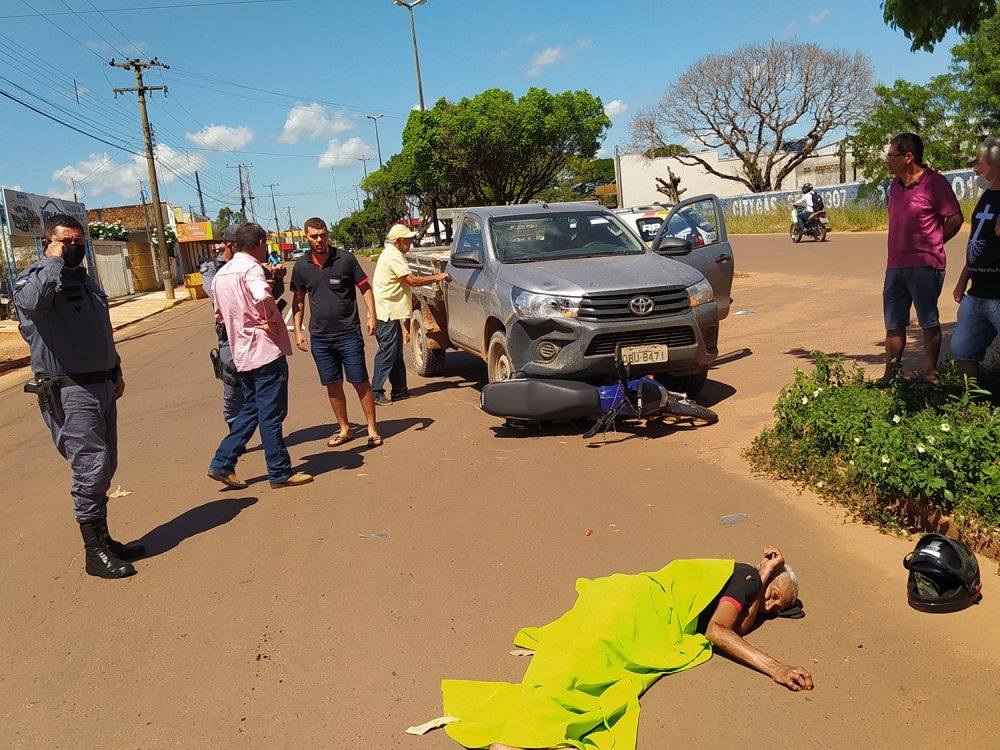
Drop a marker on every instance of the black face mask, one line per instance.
(73, 254)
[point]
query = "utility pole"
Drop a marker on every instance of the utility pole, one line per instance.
(355, 186)
(375, 119)
(253, 213)
(335, 193)
(201, 199)
(72, 184)
(137, 67)
(275, 207)
(364, 160)
(291, 226)
(243, 200)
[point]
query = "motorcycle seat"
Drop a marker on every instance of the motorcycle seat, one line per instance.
(553, 400)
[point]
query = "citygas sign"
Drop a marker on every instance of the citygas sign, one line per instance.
(963, 182)
(25, 214)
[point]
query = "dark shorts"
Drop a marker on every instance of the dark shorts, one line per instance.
(977, 326)
(335, 358)
(919, 287)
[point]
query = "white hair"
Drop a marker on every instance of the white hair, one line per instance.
(789, 575)
(990, 150)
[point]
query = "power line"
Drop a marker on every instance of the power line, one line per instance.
(108, 20)
(172, 6)
(84, 20)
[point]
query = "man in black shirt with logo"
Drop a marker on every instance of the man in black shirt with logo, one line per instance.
(329, 276)
(979, 310)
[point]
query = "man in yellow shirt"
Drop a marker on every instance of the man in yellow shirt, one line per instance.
(392, 284)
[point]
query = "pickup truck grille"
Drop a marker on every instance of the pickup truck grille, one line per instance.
(615, 306)
(673, 336)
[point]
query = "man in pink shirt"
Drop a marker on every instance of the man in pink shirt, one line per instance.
(923, 215)
(259, 341)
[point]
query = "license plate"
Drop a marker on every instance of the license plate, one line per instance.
(644, 355)
(823, 221)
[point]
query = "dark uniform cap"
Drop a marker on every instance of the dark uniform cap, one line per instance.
(229, 233)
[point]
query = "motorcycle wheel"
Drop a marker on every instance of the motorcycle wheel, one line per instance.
(794, 233)
(820, 233)
(692, 411)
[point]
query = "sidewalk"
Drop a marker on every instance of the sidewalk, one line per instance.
(124, 311)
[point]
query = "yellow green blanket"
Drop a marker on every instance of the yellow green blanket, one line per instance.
(591, 665)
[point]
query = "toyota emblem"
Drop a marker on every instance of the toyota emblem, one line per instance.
(641, 306)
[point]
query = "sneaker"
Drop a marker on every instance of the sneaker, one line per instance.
(230, 480)
(400, 396)
(381, 400)
(299, 477)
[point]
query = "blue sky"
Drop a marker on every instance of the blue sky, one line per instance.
(308, 71)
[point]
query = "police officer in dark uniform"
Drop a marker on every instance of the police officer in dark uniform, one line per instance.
(78, 378)
(222, 359)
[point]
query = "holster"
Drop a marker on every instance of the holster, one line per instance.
(48, 391)
(223, 372)
(221, 333)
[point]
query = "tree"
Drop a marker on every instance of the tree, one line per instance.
(579, 179)
(975, 68)
(495, 149)
(925, 22)
(387, 202)
(227, 217)
(770, 106)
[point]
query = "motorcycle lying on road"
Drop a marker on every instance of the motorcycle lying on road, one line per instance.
(524, 402)
(816, 225)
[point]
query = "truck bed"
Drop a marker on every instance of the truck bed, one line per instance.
(427, 261)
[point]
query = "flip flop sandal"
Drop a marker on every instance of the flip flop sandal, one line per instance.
(794, 612)
(374, 442)
(338, 440)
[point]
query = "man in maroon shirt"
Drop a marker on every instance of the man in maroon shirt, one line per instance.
(923, 215)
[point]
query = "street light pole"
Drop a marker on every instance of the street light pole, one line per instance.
(364, 160)
(375, 119)
(416, 58)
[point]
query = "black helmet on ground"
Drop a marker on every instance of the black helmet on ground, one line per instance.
(807, 187)
(944, 575)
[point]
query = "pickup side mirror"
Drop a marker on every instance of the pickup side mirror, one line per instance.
(466, 259)
(671, 246)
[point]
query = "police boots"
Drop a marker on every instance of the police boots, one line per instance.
(125, 552)
(100, 561)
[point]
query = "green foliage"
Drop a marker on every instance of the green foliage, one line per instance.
(227, 217)
(868, 447)
(579, 179)
(100, 230)
(975, 66)
(495, 149)
(925, 22)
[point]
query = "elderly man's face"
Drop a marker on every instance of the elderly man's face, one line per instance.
(778, 596)
(983, 167)
(403, 244)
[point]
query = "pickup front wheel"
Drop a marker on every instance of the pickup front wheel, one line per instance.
(429, 362)
(498, 363)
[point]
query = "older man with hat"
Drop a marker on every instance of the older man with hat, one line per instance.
(393, 305)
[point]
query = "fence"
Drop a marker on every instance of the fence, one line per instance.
(963, 182)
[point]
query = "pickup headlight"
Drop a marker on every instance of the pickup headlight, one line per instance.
(700, 293)
(532, 305)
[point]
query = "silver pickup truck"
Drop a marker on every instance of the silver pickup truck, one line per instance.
(550, 290)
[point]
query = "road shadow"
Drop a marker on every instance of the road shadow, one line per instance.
(733, 356)
(635, 429)
(912, 355)
(387, 428)
(193, 522)
(713, 393)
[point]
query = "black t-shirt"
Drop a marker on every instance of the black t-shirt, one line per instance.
(742, 588)
(982, 255)
(333, 301)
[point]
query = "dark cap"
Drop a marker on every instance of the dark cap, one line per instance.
(229, 233)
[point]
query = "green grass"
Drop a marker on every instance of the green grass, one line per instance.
(863, 218)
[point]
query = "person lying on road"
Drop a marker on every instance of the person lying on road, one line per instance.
(591, 665)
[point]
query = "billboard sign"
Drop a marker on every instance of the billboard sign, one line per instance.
(26, 212)
(197, 232)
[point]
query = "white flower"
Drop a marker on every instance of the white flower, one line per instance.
(819, 485)
(921, 448)
(817, 392)
(805, 400)
(857, 441)
(930, 439)
(896, 419)
(945, 427)
(885, 459)
(852, 462)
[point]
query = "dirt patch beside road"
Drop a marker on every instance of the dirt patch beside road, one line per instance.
(12, 347)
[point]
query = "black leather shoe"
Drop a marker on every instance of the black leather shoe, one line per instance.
(131, 551)
(100, 561)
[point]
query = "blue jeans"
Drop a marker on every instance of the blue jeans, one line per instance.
(389, 363)
(232, 395)
(977, 326)
(265, 405)
(801, 217)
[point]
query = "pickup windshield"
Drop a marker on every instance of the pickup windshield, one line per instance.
(559, 236)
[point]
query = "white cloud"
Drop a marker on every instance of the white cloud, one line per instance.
(344, 155)
(543, 59)
(615, 108)
(585, 43)
(503, 53)
(98, 173)
(820, 16)
(221, 137)
(789, 29)
(529, 39)
(313, 121)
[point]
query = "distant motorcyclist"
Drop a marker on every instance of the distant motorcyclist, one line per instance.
(805, 206)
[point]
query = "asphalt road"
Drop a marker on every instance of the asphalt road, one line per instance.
(261, 619)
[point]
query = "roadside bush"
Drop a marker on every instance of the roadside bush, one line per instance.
(100, 230)
(868, 448)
